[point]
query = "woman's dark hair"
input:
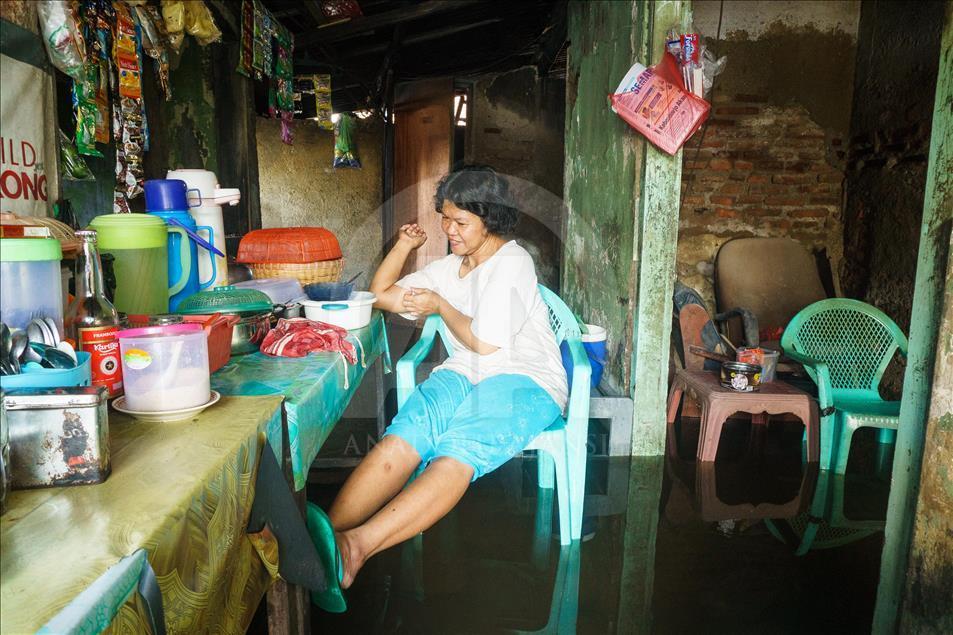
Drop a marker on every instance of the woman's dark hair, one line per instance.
(479, 190)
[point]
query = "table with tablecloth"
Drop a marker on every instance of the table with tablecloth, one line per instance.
(182, 492)
(317, 388)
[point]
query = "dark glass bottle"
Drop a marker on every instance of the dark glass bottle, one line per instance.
(91, 320)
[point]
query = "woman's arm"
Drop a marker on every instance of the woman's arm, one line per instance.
(390, 296)
(425, 302)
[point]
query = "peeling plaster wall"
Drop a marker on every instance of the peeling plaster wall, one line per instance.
(300, 188)
(20, 12)
(516, 123)
(887, 159)
(771, 160)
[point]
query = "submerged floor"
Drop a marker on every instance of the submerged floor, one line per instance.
(725, 557)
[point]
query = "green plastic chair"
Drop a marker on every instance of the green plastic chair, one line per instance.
(824, 525)
(845, 346)
(562, 446)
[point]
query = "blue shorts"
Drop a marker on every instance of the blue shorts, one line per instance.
(482, 426)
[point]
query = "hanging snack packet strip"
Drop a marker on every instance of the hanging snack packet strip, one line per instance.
(152, 32)
(248, 33)
(322, 101)
(654, 102)
(128, 118)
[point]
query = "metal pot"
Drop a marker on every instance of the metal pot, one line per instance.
(740, 377)
(248, 334)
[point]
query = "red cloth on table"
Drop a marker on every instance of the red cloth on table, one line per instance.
(296, 337)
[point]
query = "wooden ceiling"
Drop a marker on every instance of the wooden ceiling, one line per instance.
(399, 40)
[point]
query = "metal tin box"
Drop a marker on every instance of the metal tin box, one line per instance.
(58, 436)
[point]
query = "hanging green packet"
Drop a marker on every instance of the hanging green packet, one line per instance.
(87, 110)
(345, 146)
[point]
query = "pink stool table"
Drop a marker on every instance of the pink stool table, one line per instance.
(718, 403)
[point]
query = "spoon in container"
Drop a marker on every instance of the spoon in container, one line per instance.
(52, 357)
(69, 350)
(35, 332)
(6, 339)
(54, 331)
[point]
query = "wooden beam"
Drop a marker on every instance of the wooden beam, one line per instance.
(357, 26)
(553, 39)
(315, 10)
(436, 34)
(225, 11)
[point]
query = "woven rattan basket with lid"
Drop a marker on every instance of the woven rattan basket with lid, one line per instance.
(310, 254)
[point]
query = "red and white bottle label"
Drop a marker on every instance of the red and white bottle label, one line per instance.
(103, 348)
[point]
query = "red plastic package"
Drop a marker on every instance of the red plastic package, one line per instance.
(654, 101)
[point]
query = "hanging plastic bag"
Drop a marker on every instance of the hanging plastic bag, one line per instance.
(173, 14)
(345, 148)
(62, 36)
(654, 102)
(200, 24)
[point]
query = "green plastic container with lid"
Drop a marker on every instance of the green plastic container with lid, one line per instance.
(30, 282)
(138, 244)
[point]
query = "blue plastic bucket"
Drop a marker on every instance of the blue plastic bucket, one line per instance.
(595, 344)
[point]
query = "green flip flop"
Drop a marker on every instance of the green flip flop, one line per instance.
(322, 535)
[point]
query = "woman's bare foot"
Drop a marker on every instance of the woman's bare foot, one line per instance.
(352, 556)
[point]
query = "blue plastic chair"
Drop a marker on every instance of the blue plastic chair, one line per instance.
(562, 446)
(845, 346)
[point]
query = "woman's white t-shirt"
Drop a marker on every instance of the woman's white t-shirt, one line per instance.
(508, 312)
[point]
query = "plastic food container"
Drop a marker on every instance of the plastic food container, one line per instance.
(766, 358)
(280, 290)
(350, 314)
(30, 281)
(52, 377)
(165, 367)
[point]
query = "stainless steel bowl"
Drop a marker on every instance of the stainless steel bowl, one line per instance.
(248, 334)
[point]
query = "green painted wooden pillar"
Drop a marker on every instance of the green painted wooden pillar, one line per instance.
(924, 333)
(654, 257)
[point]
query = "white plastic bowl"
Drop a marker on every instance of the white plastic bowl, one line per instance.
(354, 313)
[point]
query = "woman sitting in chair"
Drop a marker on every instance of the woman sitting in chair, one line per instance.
(501, 387)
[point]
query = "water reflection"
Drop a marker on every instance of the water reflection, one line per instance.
(755, 542)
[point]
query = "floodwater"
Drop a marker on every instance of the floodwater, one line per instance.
(753, 543)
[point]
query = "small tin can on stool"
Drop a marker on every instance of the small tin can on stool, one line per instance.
(740, 377)
(58, 436)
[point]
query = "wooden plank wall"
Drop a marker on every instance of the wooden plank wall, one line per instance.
(422, 147)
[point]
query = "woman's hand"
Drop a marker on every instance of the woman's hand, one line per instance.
(422, 302)
(412, 235)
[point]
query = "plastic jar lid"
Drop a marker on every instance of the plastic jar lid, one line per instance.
(30, 249)
(161, 331)
(130, 231)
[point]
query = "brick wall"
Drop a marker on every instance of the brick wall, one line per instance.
(759, 170)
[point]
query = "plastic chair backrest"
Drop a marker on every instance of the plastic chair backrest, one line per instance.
(855, 340)
(561, 318)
